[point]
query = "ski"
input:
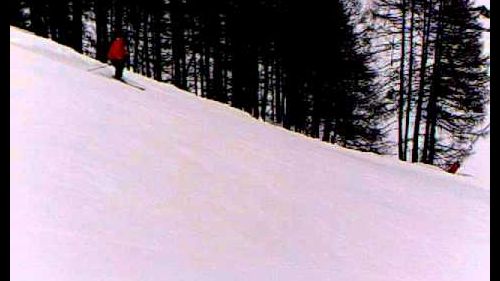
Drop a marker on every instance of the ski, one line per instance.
(96, 68)
(132, 85)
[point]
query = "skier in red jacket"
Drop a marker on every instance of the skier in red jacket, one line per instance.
(117, 54)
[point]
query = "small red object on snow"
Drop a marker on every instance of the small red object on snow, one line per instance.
(453, 168)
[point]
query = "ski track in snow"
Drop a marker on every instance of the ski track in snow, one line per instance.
(111, 183)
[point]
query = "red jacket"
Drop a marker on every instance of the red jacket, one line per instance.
(117, 50)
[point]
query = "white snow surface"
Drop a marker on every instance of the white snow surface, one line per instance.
(478, 164)
(112, 183)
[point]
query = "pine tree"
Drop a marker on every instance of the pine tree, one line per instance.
(459, 95)
(38, 17)
(77, 25)
(15, 12)
(177, 11)
(364, 109)
(101, 10)
(59, 21)
(451, 95)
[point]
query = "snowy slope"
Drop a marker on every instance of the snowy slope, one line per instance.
(112, 183)
(478, 164)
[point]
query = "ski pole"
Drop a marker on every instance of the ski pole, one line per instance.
(96, 68)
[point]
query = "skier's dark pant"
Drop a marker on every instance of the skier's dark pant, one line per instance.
(119, 65)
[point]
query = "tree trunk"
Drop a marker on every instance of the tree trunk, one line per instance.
(410, 79)
(59, 21)
(209, 93)
(421, 90)
(178, 51)
(38, 10)
(401, 154)
(15, 13)
(158, 66)
(118, 20)
(145, 39)
(327, 130)
(136, 16)
(203, 88)
(279, 107)
(77, 30)
(316, 113)
(430, 129)
(101, 31)
(265, 91)
(217, 86)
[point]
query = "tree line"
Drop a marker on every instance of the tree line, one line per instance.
(312, 67)
(436, 73)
